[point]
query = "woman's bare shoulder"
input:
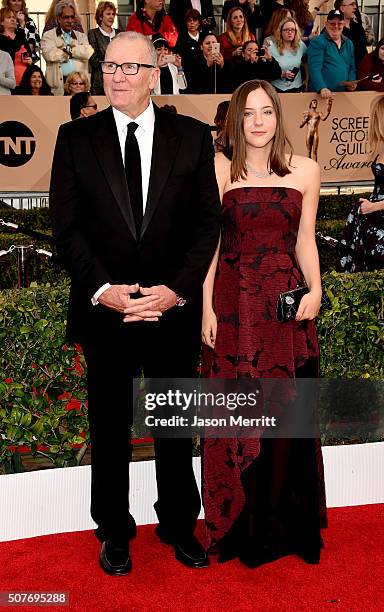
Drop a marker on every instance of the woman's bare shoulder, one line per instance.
(303, 165)
(221, 161)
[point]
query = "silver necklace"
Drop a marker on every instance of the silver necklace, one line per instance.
(260, 175)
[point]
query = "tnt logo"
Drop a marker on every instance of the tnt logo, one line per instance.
(17, 144)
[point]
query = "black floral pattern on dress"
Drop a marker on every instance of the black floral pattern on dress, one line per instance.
(363, 235)
(257, 262)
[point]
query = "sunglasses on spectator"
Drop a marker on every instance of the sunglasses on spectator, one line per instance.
(94, 106)
(77, 83)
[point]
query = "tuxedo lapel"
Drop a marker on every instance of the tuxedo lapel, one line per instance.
(107, 149)
(164, 151)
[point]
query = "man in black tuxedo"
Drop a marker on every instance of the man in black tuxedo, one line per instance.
(178, 8)
(135, 210)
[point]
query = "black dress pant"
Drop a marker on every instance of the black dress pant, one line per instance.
(116, 354)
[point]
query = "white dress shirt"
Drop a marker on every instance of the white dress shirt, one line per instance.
(110, 34)
(196, 4)
(144, 136)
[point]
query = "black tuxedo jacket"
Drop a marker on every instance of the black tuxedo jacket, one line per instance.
(178, 8)
(93, 223)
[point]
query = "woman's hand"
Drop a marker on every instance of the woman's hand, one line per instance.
(177, 61)
(218, 59)
(367, 207)
(309, 306)
(267, 54)
(209, 328)
(288, 74)
(237, 52)
(21, 19)
(326, 93)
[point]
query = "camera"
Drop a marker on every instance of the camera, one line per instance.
(169, 58)
(260, 52)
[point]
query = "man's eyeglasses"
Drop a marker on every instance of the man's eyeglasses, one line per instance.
(127, 68)
(94, 106)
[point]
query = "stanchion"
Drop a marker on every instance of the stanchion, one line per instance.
(22, 252)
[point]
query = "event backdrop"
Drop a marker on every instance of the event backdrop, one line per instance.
(29, 126)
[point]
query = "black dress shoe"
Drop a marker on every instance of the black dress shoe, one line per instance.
(115, 559)
(188, 550)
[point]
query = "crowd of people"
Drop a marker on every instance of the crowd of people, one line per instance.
(278, 41)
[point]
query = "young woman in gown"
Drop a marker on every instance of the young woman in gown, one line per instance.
(264, 498)
(363, 234)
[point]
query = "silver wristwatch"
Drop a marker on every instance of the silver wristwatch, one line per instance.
(180, 301)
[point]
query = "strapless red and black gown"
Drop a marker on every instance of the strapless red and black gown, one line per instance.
(263, 498)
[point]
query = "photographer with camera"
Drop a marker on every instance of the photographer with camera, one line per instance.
(290, 53)
(255, 62)
(209, 72)
(172, 77)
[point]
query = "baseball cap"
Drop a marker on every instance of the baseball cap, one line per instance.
(335, 14)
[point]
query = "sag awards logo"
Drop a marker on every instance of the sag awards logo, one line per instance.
(17, 144)
(348, 140)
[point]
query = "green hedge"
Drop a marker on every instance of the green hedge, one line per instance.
(333, 211)
(337, 206)
(42, 386)
(35, 219)
(330, 207)
(329, 259)
(352, 331)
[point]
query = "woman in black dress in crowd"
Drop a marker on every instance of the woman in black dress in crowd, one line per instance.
(209, 73)
(363, 236)
(255, 62)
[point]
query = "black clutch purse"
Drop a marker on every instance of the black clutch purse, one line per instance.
(288, 303)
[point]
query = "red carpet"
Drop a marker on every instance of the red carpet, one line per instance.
(349, 577)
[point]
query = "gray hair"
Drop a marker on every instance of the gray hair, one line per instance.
(61, 5)
(131, 36)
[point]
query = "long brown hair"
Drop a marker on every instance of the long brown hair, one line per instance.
(23, 6)
(302, 13)
(376, 128)
(234, 145)
(277, 16)
(245, 35)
